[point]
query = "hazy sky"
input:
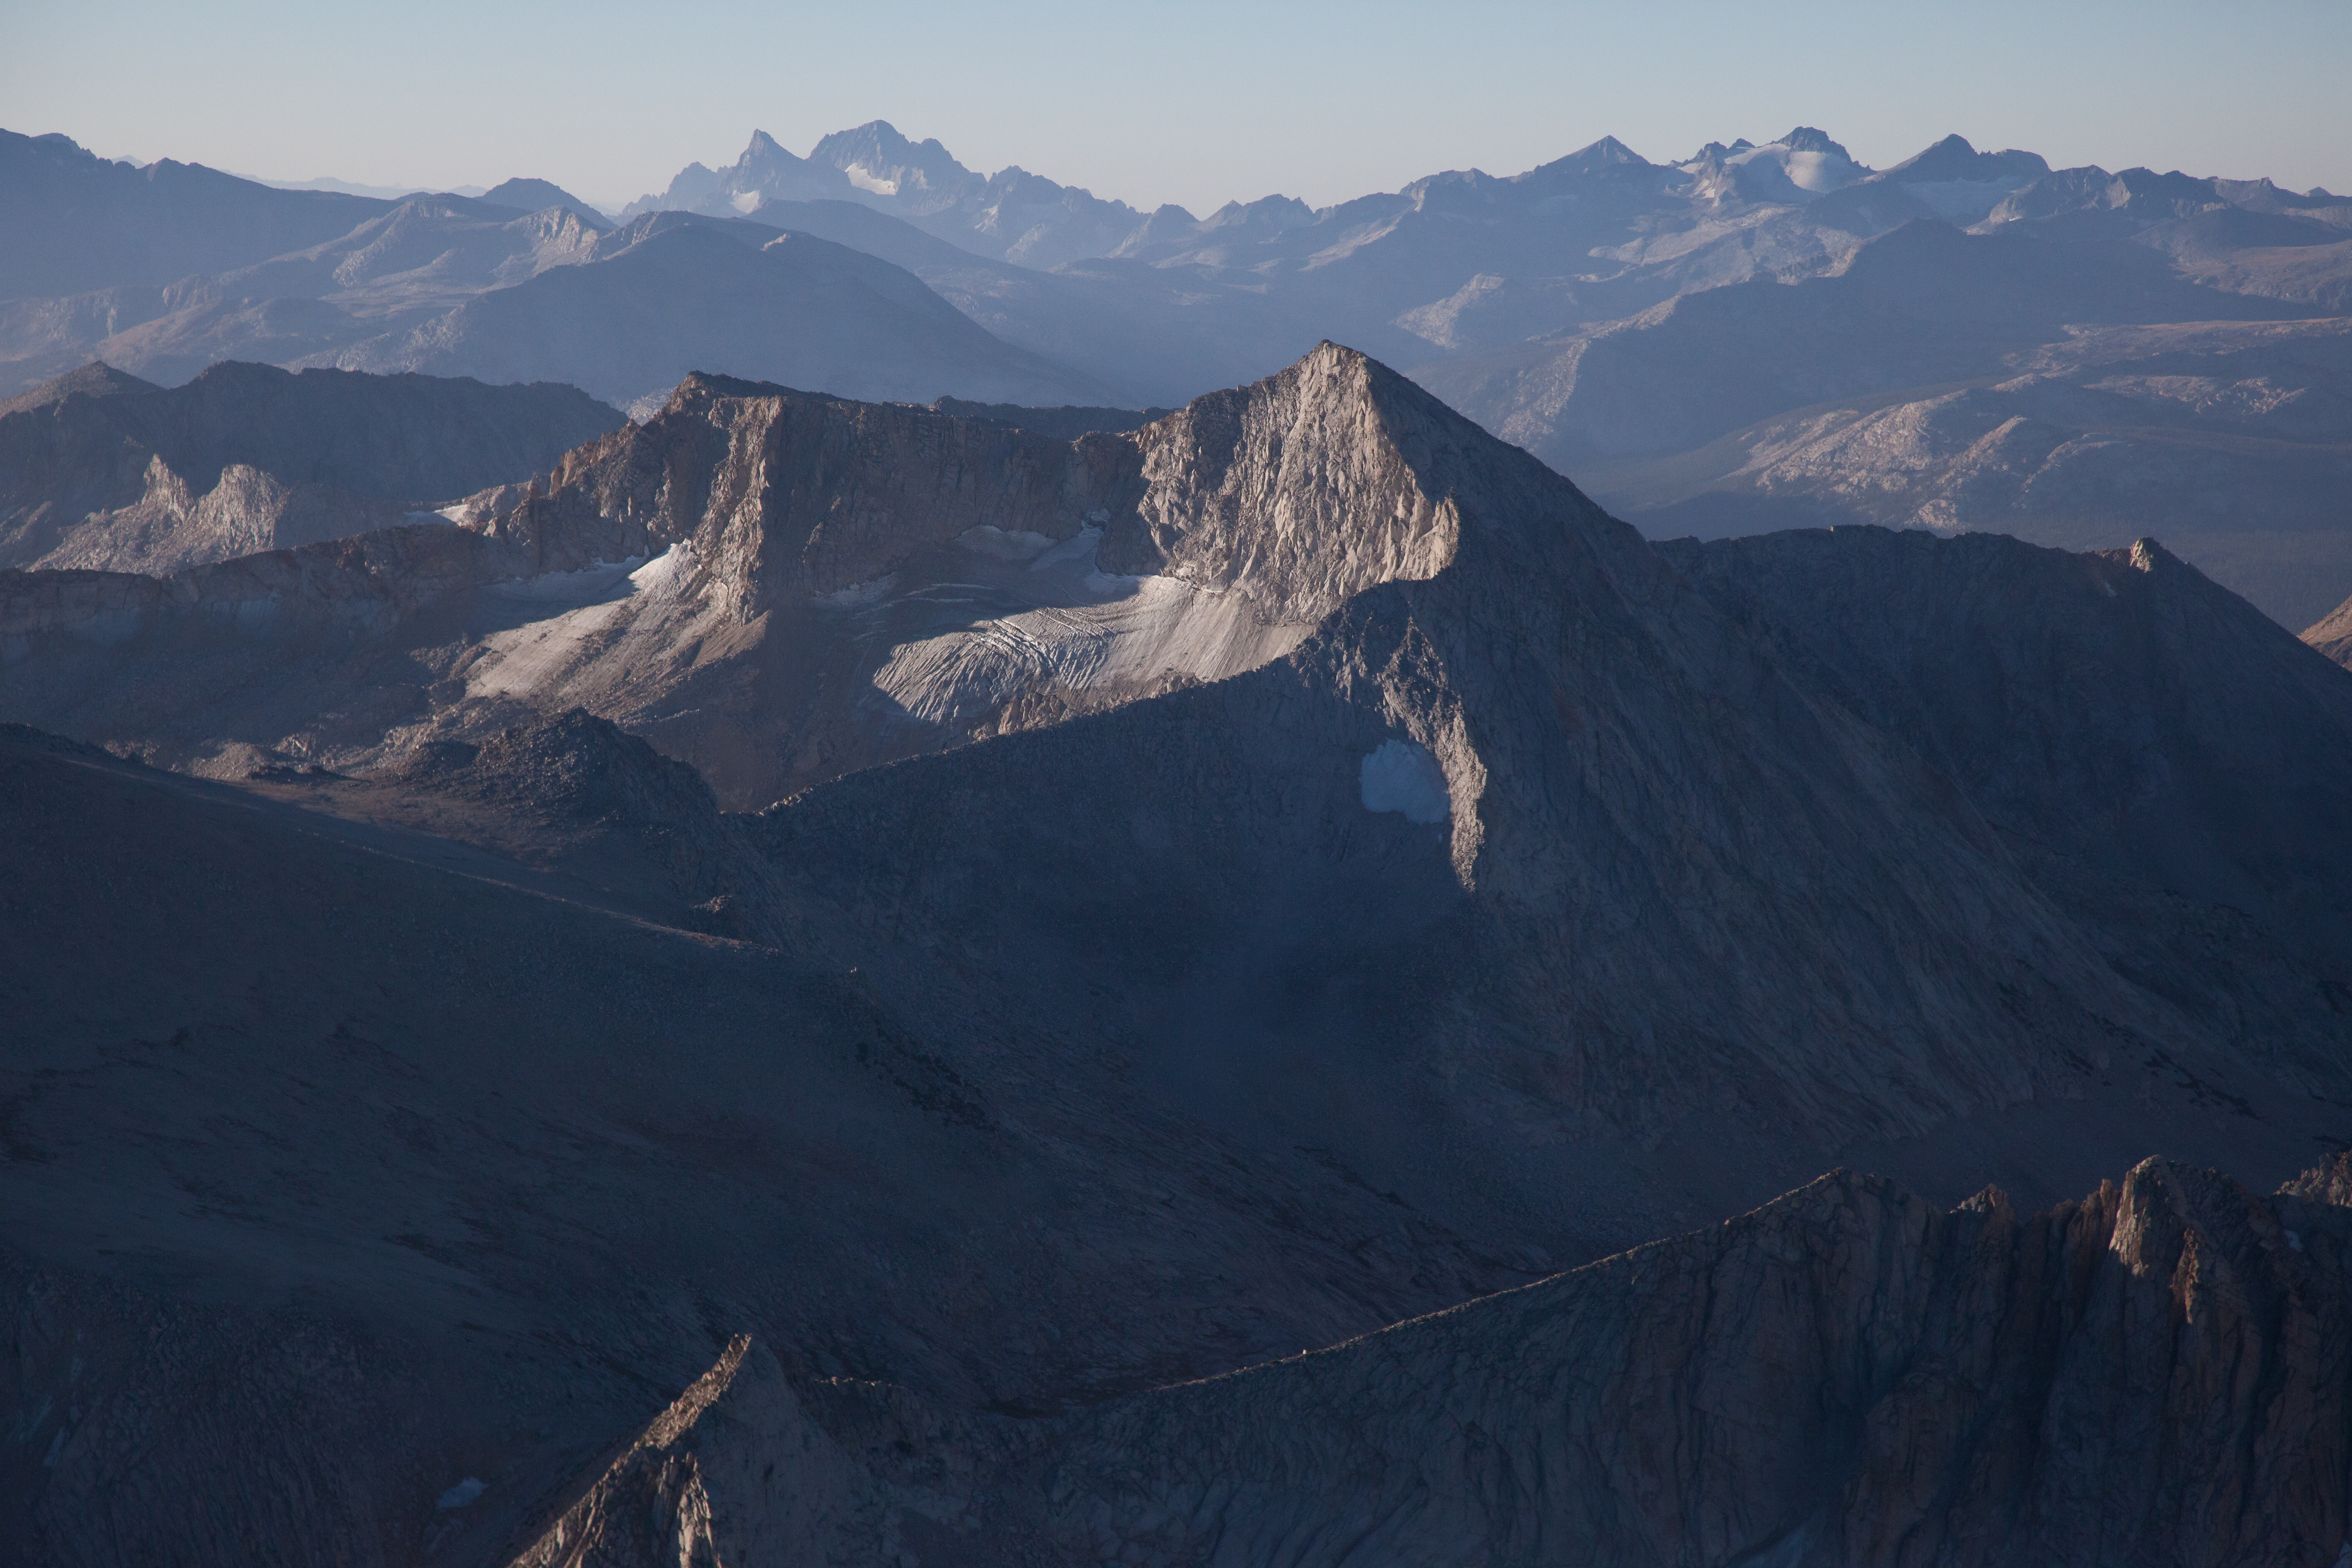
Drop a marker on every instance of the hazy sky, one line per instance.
(1149, 103)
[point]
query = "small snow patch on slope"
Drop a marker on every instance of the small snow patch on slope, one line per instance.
(1402, 775)
(461, 1494)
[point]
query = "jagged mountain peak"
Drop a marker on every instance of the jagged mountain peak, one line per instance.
(1806, 139)
(874, 155)
(765, 158)
(1336, 436)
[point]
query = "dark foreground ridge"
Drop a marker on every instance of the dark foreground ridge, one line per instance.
(2158, 1373)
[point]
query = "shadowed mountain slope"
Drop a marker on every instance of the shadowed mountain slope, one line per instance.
(101, 470)
(1493, 892)
(2159, 757)
(96, 379)
(1646, 845)
(474, 1125)
(2075, 697)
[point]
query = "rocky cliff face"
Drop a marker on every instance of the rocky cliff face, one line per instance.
(2158, 1373)
(245, 459)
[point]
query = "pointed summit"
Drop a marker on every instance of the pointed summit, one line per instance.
(765, 157)
(1606, 152)
(1605, 156)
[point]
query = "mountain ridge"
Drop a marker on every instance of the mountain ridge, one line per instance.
(1483, 891)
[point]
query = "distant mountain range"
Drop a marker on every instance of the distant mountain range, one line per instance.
(1543, 305)
(457, 286)
(1758, 333)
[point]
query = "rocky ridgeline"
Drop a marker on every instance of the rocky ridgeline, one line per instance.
(2161, 1372)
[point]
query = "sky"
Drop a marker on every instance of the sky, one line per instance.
(1147, 102)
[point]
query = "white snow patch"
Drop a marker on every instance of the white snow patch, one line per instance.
(1403, 775)
(747, 203)
(1818, 171)
(1150, 627)
(860, 178)
(461, 1494)
(1815, 173)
